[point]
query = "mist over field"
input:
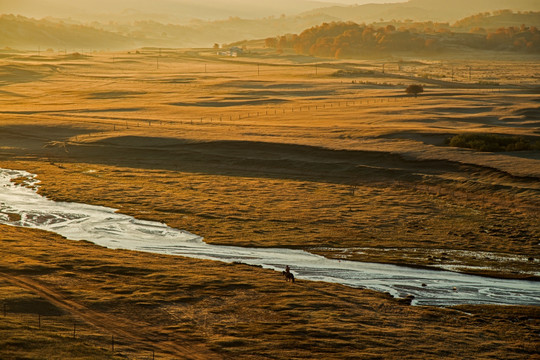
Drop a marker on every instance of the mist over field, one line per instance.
(172, 10)
(184, 10)
(122, 24)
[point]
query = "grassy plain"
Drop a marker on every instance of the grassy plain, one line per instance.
(268, 150)
(192, 309)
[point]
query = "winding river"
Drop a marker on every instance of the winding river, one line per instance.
(22, 206)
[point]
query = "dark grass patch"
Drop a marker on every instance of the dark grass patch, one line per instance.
(120, 270)
(493, 142)
(353, 73)
(289, 93)
(32, 306)
(115, 94)
(229, 341)
(230, 103)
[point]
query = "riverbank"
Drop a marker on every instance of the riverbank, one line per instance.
(258, 212)
(217, 310)
(22, 206)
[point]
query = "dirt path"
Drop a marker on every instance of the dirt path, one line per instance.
(135, 334)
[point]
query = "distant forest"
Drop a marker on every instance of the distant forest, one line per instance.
(348, 39)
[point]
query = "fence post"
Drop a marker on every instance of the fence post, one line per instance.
(5, 309)
(112, 343)
(74, 330)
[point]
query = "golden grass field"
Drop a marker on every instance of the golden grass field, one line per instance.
(268, 150)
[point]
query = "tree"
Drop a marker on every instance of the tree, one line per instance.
(271, 42)
(414, 89)
(216, 46)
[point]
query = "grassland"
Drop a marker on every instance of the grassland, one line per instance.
(270, 150)
(185, 308)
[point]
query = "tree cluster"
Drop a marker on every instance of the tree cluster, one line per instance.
(347, 39)
(493, 142)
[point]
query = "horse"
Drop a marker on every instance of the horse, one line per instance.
(288, 276)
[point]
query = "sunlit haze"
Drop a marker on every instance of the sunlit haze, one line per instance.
(176, 9)
(277, 179)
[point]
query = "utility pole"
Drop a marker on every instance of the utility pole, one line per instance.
(258, 69)
(469, 73)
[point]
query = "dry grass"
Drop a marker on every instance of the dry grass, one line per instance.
(354, 169)
(237, 311)
(322, 217)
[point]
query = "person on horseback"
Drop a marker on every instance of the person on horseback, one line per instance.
(288, 274)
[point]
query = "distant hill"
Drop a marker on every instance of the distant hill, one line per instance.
(350, 40)
(423, 10)
(479, 23)
(24, 33)
(28, 33)
(168, 11)
(497, 19)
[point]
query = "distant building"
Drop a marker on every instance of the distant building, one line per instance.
(233, 52)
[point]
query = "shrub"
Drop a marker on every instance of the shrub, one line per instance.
(492, 142)
(414, 89)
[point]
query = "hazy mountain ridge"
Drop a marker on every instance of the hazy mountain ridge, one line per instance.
(28, 33)
(25, 33)
(174, 11)
(502, 18)
(477, 23)
(423, 10)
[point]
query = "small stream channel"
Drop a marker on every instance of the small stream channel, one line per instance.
(22, 206)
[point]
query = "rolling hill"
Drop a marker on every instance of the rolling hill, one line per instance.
(134, 28)
(423, 10)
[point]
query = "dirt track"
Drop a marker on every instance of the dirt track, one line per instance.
(134, 333)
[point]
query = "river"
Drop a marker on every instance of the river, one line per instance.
(105, 227)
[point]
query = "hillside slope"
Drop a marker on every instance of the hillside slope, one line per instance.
(423, 10)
